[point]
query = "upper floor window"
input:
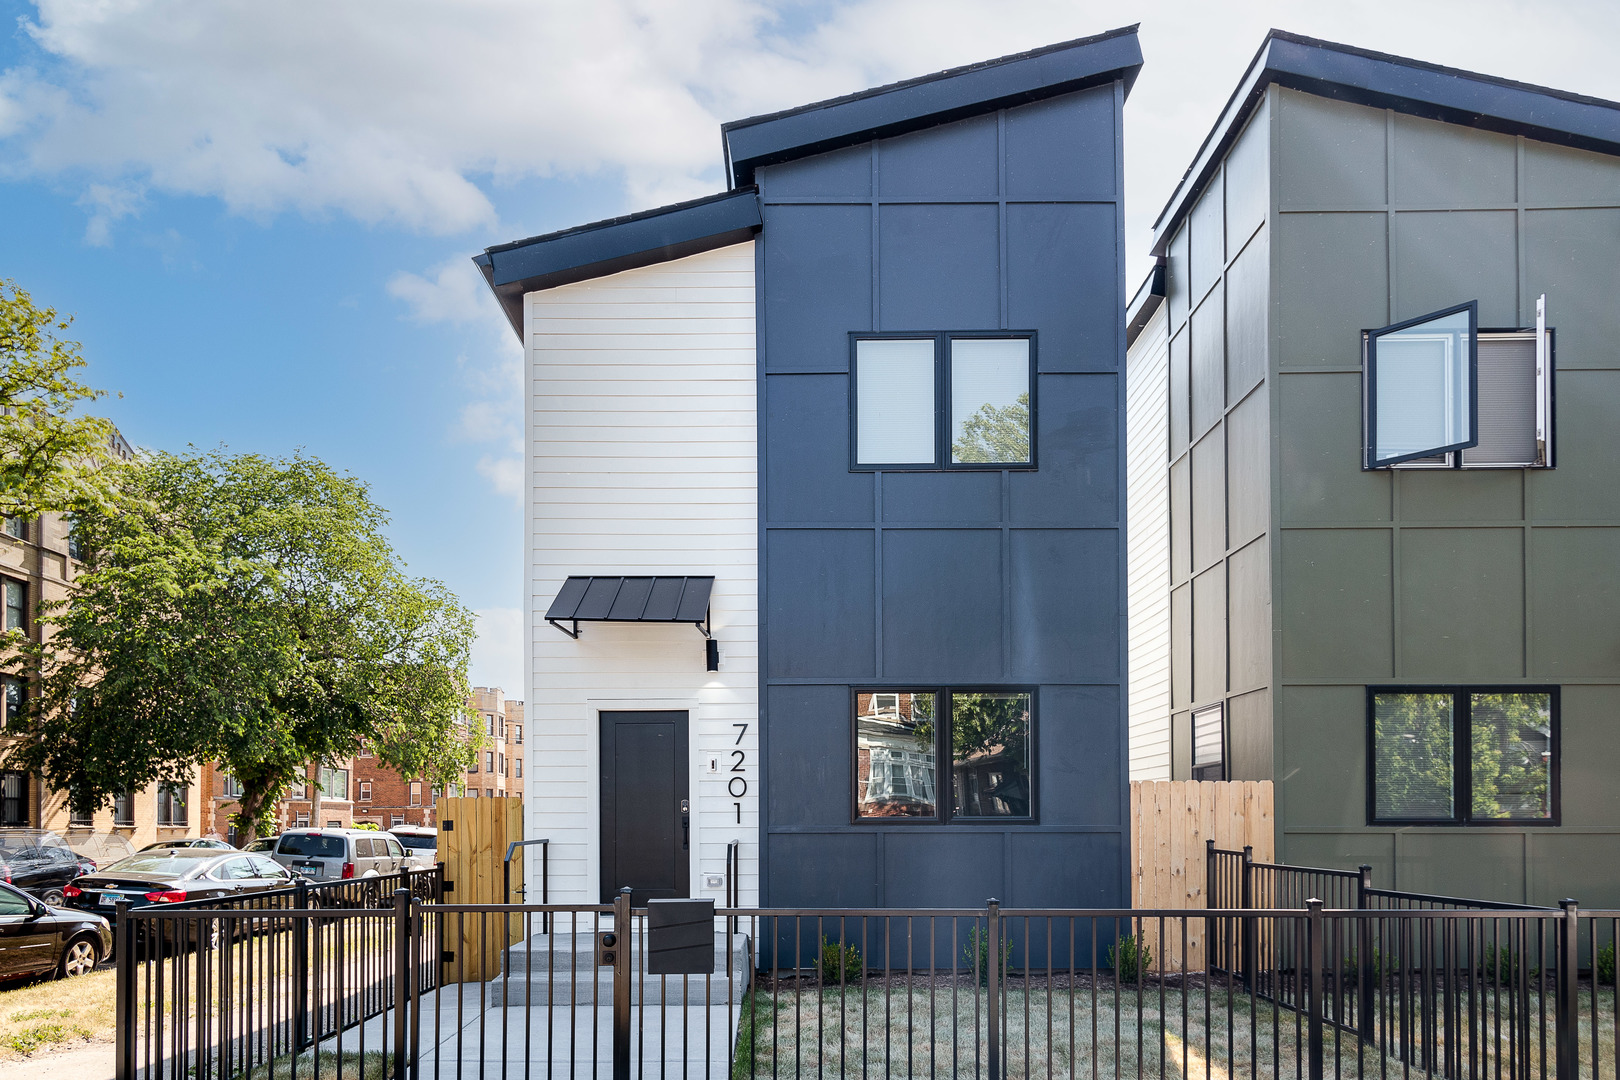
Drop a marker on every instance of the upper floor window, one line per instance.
(517, 765)
(15, 527)
(13, 798)
(943, 401)
(984, 735)
(1462, 755)
(15, 616)
(365, 791)
(518, 729)
(230, 787)
(11, 700)
(124, 808)
(416, 793)
(334, 783)
(171, 804)
(1439, 392)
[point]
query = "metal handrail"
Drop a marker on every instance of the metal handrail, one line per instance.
(545, 876)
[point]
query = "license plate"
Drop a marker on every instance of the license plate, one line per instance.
(108, 899)
(312, 869)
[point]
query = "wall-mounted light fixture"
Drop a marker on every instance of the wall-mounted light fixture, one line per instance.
(711, 649)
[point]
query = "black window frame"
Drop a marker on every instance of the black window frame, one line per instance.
(1369, 396)
(13, 695)
(172, 797)
(944, 778)
(14, 809)
(1462, 763)
(124, 809)
(1195, 770)
(942, 400)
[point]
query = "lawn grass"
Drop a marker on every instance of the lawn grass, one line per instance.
(912, 1030)
(373, 1065)
(55, 1012)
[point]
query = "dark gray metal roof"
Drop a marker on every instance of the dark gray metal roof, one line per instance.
(621, 243)
(1146, 301)
(929, 100)
(1383, 81)
(632, 599)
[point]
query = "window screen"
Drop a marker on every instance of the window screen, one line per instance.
(894, 401)
(989, 401)
(1421, 386)
(1413, 757)
(1507, 401)
(1511, 751)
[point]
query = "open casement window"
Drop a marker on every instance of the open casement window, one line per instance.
(1513, 387)
(1421, 386)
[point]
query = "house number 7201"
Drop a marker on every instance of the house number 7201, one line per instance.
(737, 786)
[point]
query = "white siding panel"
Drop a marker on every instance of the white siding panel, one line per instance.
(642, 460)
(1147, 507)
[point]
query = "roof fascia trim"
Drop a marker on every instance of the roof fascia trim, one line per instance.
(930, 101)
(1379, 80)
(1149, 295)
(610, 247)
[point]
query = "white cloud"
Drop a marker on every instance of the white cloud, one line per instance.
(505, 474)
(452, 292)
(497, 654)
(107, 204)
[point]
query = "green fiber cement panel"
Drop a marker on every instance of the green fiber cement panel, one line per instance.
(1248, 180)
(1321, 313)
(1586, 484)
(1328, 154)
(1561, 176)
(1463, 496)
(1451, 253)
(1571, 256)
(1248, 604)
(1446, 165)
(1337, 609)
(1248, 469)
(1320, 476)
(1209, 500)
(1461, 602)
(1248, 738)
(1576, 615)
(1321, 772)
(1209, 635)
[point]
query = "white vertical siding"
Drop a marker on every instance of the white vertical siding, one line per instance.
(642, 460)
(1147, 508)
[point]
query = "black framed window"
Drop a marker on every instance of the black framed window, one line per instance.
(13, 799)
(1421, 386)
(1209, 743)
(124, 809)
(1465, 755)
(903, 735)
(15, 615)
(942, 401)
(15, 527)
(81, 811)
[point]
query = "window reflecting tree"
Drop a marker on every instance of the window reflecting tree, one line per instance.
(996, 433)
(1511, 747)
(1412, 744)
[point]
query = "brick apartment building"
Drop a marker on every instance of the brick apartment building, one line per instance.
(39, 559)
(363, 790)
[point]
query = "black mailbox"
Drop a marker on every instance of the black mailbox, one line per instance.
(680, 937)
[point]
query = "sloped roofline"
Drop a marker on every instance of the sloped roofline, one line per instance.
(929, 100)
(616, 244)
(1384, 81)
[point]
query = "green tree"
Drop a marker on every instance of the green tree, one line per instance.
(49, 458)
(995, 433)
(1412, 740)
(248, 611)
(1510, 741)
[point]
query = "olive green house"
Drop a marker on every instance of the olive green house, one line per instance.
(1373, 444)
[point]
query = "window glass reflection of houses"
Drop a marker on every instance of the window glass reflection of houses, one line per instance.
(895, 754)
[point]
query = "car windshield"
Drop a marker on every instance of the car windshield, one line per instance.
(171, 863)
(266, 844)
(312, 845)
(420, 843)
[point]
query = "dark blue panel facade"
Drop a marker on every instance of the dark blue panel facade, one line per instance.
(998, 579)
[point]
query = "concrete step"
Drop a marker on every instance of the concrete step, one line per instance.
(560, 968)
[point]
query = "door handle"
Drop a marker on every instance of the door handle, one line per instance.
(686, 824)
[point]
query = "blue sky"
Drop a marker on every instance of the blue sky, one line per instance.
(261, 214)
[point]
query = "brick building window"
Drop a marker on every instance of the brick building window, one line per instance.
(473, 767)
(15, 616)
(16, 527)
(12, 702)
(13, 798)
(416, 793)
(80, 810)
(232, 787)
(433, 794)
(365, 791)
(171, 805)
(519, 734)
(489, 761)
(472, 793)
(517, 764)
(500, 765)
(489, 723)
(124, 808)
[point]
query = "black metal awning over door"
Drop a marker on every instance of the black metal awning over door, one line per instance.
(632, 599)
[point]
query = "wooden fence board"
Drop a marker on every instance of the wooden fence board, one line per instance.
(1170, 822)
(473, 835)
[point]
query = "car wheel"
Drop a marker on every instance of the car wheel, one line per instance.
(52, 897)
(79, 958)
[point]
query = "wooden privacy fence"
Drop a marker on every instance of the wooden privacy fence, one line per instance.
(473, 836)
(1170, 822)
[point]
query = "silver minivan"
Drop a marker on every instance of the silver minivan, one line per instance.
(336, 854)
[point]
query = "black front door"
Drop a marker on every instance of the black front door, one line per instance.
(646, 817)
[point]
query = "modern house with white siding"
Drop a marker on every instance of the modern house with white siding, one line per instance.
(825, 500)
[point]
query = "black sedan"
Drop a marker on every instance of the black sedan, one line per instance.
(176, 875)
(41, 870)
(36, 939)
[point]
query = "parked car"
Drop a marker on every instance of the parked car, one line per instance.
(337, 854)
(190, 842)
(39, 863)
(36, 938)
(264, 845)
(175, 875)
(421, 845)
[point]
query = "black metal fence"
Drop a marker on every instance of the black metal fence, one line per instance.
(983, 992)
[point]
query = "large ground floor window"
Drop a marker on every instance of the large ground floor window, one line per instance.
(903, 735)
(1462, 755)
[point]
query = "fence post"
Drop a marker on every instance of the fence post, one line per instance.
(1251, 948)
(124, 1024)
(1568, 1038)
(402, 980)
(992, 1002)
(623, 930)
(300, 969)
(1315, 929)
(1365, 1010)
(416, 986)
(1216, 947)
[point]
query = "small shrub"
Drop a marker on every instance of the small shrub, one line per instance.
(1352, 966)
(840, 964)
(1129, 958)
(976, 953)
(1503, 965)
(1605, 965)
(41, 1014)
(28, 1040)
